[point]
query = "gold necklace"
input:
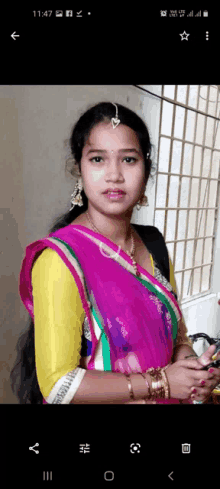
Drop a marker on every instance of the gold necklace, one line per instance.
(131, 253)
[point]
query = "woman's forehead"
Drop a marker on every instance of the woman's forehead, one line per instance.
(104, 131)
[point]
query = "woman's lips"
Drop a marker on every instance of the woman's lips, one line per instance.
(114, 195)
(114, 190)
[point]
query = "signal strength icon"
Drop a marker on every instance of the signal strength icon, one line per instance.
(190, 14)
(199, 14)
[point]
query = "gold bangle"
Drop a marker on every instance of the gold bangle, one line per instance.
(159, 389)
(166, 384)
(148, 398)
(130, 387)
(157, 383)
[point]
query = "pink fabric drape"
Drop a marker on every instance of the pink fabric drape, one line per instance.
(139, 317)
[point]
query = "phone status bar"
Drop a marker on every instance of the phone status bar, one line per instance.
(61, 13)
(184, 13)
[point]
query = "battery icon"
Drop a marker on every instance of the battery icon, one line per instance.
(205, 13)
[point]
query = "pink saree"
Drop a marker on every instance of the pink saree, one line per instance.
(138, 314)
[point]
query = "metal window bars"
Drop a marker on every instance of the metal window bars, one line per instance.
(198, 285)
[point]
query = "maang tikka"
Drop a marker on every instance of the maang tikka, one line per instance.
(115, 120)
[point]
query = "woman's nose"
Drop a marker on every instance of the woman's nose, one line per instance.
(113, 169)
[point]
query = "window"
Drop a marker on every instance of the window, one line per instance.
(188, 181)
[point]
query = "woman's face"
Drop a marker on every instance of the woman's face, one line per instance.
(112, 158)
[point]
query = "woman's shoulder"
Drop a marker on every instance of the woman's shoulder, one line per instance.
(49, 269)
(46, 258)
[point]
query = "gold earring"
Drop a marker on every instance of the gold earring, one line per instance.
(143, 202)
(76, 195)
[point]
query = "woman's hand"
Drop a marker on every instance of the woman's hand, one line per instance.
(204, 391)
(185, 375)
(204, 381)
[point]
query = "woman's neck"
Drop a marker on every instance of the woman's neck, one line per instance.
(118, 229)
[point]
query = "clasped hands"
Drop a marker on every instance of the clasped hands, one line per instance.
(208, 379)
(186, 376)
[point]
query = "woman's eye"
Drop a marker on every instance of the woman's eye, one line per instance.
(96, 158)
(130, 158)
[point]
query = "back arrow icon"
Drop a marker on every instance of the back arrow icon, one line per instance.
(14, 35)
(170, 475)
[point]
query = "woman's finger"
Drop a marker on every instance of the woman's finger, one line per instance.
(215, 374)
(216, 356)
(205, 388)
(206, 357)
(200, 394)
(201, 399)
(192, 363)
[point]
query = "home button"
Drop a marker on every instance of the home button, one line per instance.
(109, 475)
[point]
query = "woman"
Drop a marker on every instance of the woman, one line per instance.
(106, 324)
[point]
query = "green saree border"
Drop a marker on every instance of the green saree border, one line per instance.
(68, 247)
(75, 257)
(105, 343)
(165, 301)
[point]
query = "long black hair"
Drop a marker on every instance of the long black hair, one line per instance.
(23, 376)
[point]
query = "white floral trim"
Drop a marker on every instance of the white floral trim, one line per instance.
(66, 387)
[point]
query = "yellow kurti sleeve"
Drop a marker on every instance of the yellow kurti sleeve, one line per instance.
(58, 319)
(182, 337)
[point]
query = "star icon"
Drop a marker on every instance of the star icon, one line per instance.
(184, 38)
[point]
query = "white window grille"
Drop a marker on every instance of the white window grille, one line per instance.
(188, 183)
